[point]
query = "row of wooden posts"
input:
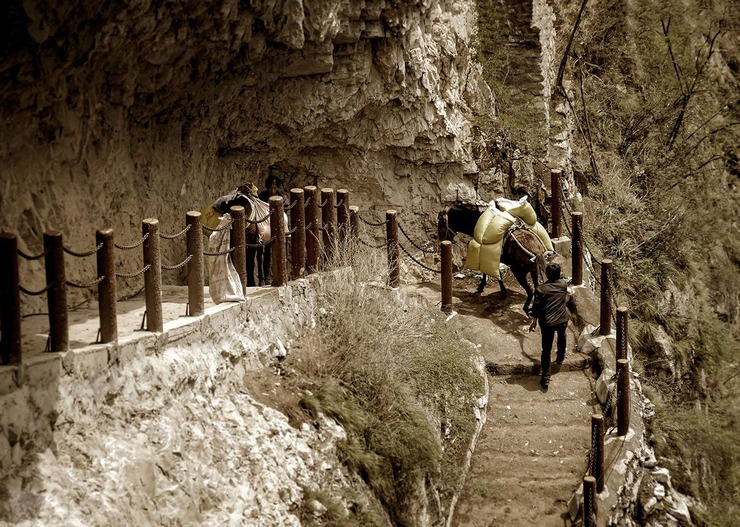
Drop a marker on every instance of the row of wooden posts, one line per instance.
(322, 222)
(595, 480)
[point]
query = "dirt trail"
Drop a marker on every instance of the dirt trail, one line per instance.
(532, 452)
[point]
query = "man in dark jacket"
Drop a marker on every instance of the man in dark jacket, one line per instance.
(550, 307)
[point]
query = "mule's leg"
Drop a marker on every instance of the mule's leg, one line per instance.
(260, 252)
(522, 279)
(266, 269)
(503, 293)
(251, 254)
(482, 283)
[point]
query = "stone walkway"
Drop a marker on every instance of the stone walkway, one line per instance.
(532, 453)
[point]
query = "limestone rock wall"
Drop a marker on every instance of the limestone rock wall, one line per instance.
(127, 110)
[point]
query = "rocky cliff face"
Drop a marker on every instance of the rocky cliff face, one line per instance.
(141, 109)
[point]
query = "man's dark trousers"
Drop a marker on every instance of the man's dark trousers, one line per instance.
(548, 334)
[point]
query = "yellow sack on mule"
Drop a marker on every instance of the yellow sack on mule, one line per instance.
(492, 225)
(520, 208)
(484, 258)
(540, 231)
(210, 217)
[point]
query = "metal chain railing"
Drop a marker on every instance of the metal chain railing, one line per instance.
(174, 236)
(134, 274)
(85, 254)
(372, 246)
(341, 202)
(366, 222)
(85, 286)
(227, 251)
(34, 293)
(288, 207)
(132, 246)
(425, 251)
(217, 229)
(417, 261)
(28, 257)
(255, 222)
(177, 266)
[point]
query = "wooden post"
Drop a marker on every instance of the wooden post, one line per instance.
(623, 397)
(446, 249)
(577, 244)
(277, 230)
(194, 249)
(354, 222)
(10, 305)
(622, 341)
(343, 220)
(239, 242)
(298, 238)
(605, 325)
(597, 450)
(153, 276)
(589, 501)
(313, 229)
(391, 237)
(107, 296)
(56, 295)
(329, 225)
(556, 210)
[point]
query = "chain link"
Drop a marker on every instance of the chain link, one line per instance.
(133, 246)
(83, 255)
(366, 222)
(28, 257)
(417, 261)
(227, 251)
(425, 251)
(173, 236)
(134, 274)
(174, 267)
(85, 286)
(288, 207)
(341, 202)
(34, 293)
(255, 222)
(217, 229)
(384, 244)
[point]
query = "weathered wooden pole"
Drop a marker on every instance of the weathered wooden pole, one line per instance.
(623, 397)
(239, 242)
(589, 501)
(391, 238)
(107, 296)
(354, 223)
(56, 295)
(605, 323)
(329, 224)
(277, 231)
(597, 450)
(313, 229)
(298, 238)
(194, 249)
(10, 305)
(446, 249)
(622, 335)
(153, 276)
(577, 244)
(556, 202)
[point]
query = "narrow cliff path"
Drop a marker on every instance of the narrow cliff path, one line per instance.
(532, 452)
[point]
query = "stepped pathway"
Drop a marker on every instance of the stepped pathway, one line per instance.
(533, 450)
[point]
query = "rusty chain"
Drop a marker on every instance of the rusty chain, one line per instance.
(133, 246)
(384, 244)
(227, 251)
(175, 267)
(174, 236)
(425, 251)
(134, 274)
(85, 286)
(417, 261)
(34, 293)
(366, 222)
(28, 257)
(217, 229)
(83, 255)
(341, 202)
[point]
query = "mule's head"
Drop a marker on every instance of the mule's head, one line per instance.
(444, 233)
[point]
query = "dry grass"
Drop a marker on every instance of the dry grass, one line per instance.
(401, 383)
